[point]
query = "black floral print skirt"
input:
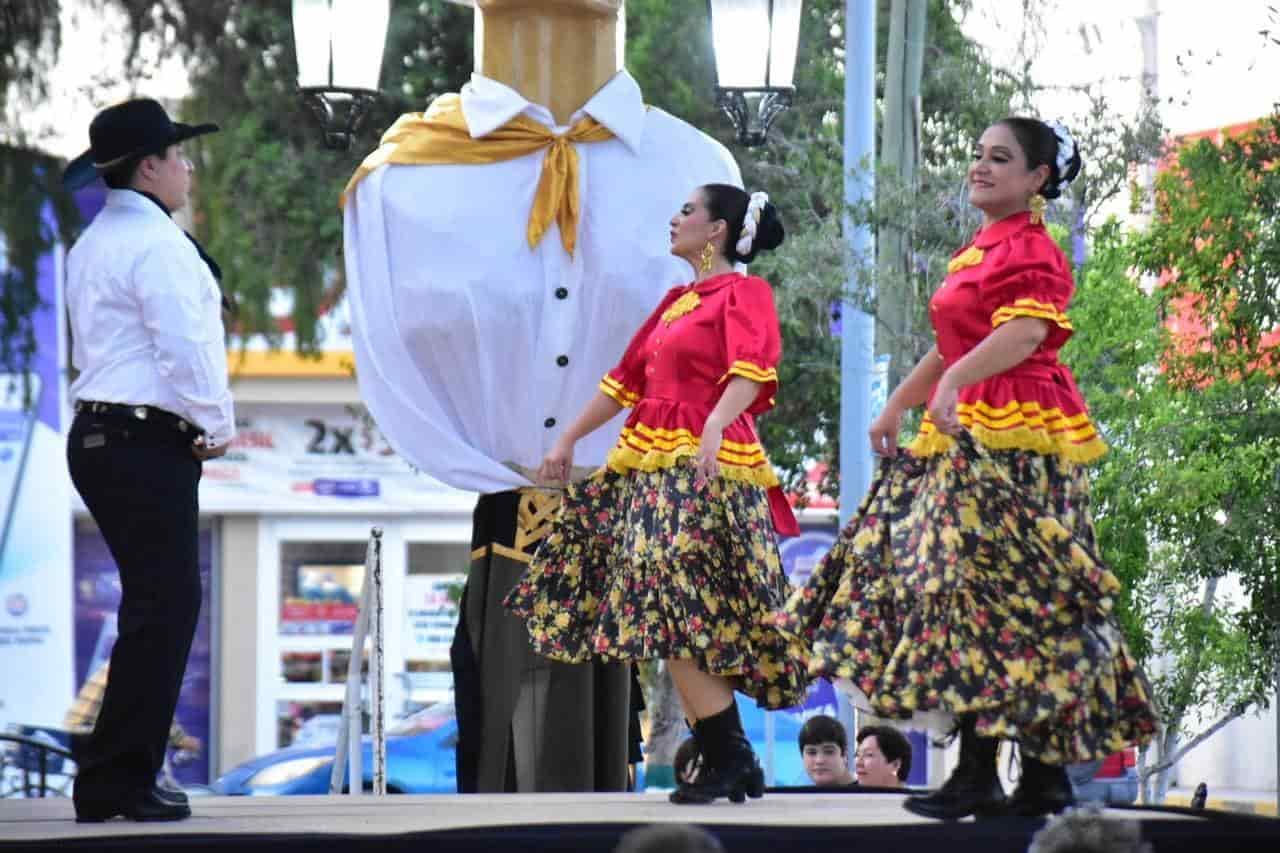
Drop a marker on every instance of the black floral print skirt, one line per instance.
(644, 565)
(970, 582)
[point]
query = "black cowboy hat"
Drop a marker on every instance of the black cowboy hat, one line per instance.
(130, 129)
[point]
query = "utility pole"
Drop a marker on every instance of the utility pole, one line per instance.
(899, 152)
(857, 330)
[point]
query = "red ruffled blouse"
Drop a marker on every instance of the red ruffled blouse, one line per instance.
(1013, 268)
(673, 373)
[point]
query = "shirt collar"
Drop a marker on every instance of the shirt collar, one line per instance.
(998, 232)
(135, 200)
(618, 105)
(710, 285)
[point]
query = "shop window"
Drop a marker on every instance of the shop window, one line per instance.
(433, 588)
(320, 584)
(307, 723)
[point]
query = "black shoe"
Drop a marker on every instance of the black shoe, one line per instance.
(974, 786)
(729, 766)
(1043, 789)
(149, 807)
(171, 795)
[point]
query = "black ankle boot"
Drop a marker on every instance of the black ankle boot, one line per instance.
(1043, 789)
(973, 788)
(729, 766)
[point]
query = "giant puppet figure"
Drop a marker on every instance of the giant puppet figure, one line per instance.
(501, 248)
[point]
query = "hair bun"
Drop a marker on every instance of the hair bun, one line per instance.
(769, 233)
(1068, 162)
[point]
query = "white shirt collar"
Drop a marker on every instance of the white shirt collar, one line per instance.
(618, 105)
(135, 201)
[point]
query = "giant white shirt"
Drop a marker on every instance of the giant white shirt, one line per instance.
(473, 351)
(146, 317)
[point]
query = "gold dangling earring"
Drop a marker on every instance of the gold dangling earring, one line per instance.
(708, 256)
(1037, 205)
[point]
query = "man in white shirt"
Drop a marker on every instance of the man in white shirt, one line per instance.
(501, 249)
(152, 403)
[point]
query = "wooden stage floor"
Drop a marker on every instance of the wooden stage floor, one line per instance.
(540, 822)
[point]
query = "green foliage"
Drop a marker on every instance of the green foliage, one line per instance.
(1187, 499)
(29, 37)
(32, 182)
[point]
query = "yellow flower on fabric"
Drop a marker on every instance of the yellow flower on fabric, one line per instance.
(562, 619)
(950, 537)
(1019, 671)
(863, 538)
(1052, 529)
(969, 517)
(541, 609)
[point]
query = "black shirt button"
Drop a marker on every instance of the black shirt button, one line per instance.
(562, 360)
(549, 423)
(562, 293)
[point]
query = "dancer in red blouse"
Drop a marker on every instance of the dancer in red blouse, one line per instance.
(670, 550)
(968, 588)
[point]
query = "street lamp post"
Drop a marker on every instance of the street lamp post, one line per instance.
(339, 46)
(755, 45)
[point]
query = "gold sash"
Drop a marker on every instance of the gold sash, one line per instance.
(440, 136)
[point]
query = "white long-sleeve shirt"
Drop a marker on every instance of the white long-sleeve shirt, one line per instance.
(473, 351)
(146, 319)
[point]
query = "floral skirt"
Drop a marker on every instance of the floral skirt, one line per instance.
(644, 565)
(969, 582)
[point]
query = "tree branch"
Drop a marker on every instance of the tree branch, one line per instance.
(1166, 763)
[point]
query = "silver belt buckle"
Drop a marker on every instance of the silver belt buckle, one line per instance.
(140, 412)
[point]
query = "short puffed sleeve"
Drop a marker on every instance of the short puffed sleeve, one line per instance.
(752, 339)
(1031, 280)
(625, 382)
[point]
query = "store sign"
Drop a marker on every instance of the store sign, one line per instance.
(35, 493)
(288, 458)
(431, 615)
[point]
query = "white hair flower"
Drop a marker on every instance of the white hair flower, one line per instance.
(1066, 148)
(750, 221)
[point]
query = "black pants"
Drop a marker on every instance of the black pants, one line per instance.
(139, 481)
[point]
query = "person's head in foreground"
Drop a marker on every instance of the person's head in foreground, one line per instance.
(669, 838)
(1087, 831)
(824, 747)
(882, 758)
(1018, 164)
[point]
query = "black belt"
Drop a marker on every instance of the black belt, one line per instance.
(149, 414)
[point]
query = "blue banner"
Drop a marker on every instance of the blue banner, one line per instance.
(35, 517)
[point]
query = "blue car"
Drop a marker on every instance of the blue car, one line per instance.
(420, 760)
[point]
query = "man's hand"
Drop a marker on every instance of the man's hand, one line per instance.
(204, 452)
